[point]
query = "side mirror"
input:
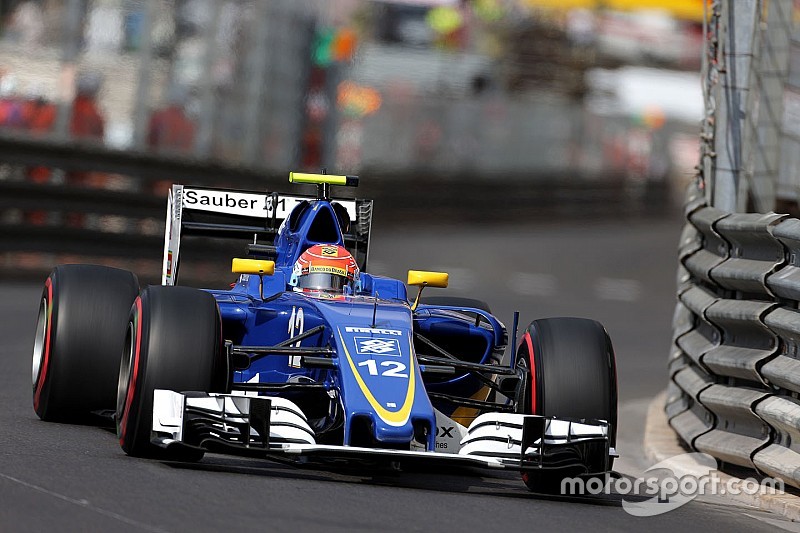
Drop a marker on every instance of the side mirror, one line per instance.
(252, 266)
(428, 279)
(422, 279)
(259, 267)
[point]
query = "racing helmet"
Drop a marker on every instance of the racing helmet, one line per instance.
(325, 268)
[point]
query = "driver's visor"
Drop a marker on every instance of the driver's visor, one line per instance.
(322, 281)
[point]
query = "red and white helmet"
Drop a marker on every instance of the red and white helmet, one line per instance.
(327, 268)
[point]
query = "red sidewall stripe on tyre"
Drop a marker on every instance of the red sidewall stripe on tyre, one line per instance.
(137, 318)
(527, 339)
(529, 343)
(46, 363)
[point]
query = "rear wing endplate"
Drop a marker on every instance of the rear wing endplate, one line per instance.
(227, 212)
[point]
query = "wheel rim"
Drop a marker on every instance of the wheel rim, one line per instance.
(524, 387)
(125, 371)
(39, 343)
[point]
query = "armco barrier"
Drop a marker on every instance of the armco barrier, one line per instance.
(734, 366)
(786, 283)
(105, 205)
(781, 458)
(735, 361)
(753, 253)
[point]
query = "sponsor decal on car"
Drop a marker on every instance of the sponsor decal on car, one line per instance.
(178, 206)
(235, 203)
(246, 203)
(354, 329)
(377, 346)
(328, 270)
(448, 434)
(371, 373)
(331, 251)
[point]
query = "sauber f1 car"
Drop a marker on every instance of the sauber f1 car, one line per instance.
(311, 358)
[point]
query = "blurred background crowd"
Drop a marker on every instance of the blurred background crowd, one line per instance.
(497, 109)
(517, 88)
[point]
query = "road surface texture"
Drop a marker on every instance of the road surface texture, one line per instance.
(76, 478)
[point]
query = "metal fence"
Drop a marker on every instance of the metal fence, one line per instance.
(237, 81)
(734, 367)
(107, 206)
(489, 135)
(751, 82)
(223, 80)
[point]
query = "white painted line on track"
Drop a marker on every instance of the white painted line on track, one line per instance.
(621, 290)
(533, 284)
(85, 504)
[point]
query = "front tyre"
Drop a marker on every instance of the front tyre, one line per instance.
(174, 342)
(82, 318)
(569, 370)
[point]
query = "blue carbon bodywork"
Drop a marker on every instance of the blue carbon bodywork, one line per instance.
(375, 383)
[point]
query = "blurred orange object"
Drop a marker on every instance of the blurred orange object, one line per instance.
(357, 100)
(344, 45)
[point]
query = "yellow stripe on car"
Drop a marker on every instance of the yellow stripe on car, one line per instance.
(393, 418)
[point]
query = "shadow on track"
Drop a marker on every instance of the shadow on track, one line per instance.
(437, 479)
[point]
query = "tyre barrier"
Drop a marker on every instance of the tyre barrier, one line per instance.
(734, 366)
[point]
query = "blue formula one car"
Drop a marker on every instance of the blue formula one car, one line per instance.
(309, 357)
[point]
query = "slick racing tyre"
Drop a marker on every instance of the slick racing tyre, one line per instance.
(79, 334)
(173, 342)
(569, 371)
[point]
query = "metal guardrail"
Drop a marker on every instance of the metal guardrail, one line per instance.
(734, 367)
(735, 362)
(107, 206)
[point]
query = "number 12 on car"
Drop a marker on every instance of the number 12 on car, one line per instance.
(394, 369)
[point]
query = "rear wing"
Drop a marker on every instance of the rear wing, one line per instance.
(255, 215)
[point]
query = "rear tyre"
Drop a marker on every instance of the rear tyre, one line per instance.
(79, 335)
(569, 371)
(174, 342)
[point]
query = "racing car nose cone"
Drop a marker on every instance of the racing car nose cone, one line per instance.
(386, 433)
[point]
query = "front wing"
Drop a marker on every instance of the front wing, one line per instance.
(273, 427)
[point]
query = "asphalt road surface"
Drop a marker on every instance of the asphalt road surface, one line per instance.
(76, 478)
